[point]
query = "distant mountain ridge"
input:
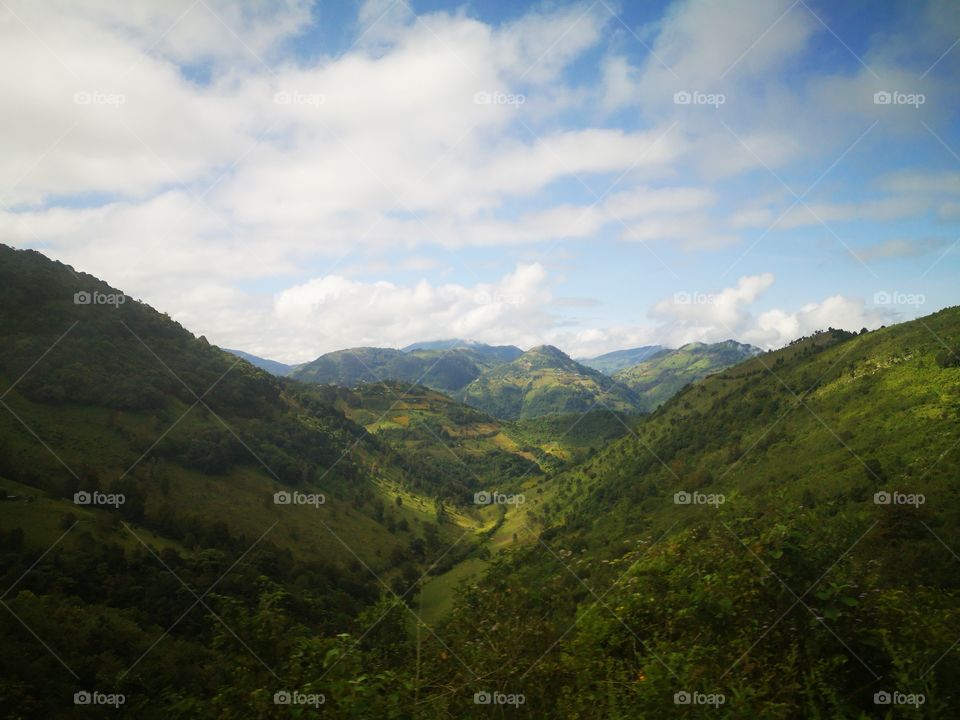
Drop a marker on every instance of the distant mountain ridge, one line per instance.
(610, 362)
(509, 383)
(543, 381)
(273, 367)
(447, 370)
(504, 352)
(666, 372)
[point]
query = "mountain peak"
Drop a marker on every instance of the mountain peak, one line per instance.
(550, 350)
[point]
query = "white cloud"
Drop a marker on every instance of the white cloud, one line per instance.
(194, 179)
(725, 314)
(778, 327)
(331, 312)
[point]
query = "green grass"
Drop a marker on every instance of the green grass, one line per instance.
(437, 596)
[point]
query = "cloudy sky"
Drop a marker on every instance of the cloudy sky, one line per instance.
(290, 178)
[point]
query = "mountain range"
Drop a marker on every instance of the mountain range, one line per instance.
(202, 537)
(509, 383)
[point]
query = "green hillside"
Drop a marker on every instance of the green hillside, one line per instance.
(446, 369)
(543, 381)
(471, 449)
(468, 448)
(183, 449)
(744, 543)
(665, 373)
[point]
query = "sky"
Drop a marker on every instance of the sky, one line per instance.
(291, 178)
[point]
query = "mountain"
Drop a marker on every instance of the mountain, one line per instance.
(104, 393)
(544, 380)
(445, 368)
(610, 362)
(140, 466)
(795, 515)
(271, 366)
(509, 384)
(666, 372)
(503, 353)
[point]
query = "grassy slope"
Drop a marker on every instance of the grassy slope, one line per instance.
(80, 431)
(798, 441)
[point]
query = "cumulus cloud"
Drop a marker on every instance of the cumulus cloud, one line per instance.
(777, 327)
(726, 314)
(331, 312)
(183, 152)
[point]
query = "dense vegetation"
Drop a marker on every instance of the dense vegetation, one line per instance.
(802, 594)
(113, 399)
(781, 534)
(468, 450)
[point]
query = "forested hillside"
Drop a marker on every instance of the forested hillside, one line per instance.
(781, 536)
(160, 491)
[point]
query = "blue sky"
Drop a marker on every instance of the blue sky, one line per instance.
(295, 178)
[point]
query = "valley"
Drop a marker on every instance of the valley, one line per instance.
(169, 505)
